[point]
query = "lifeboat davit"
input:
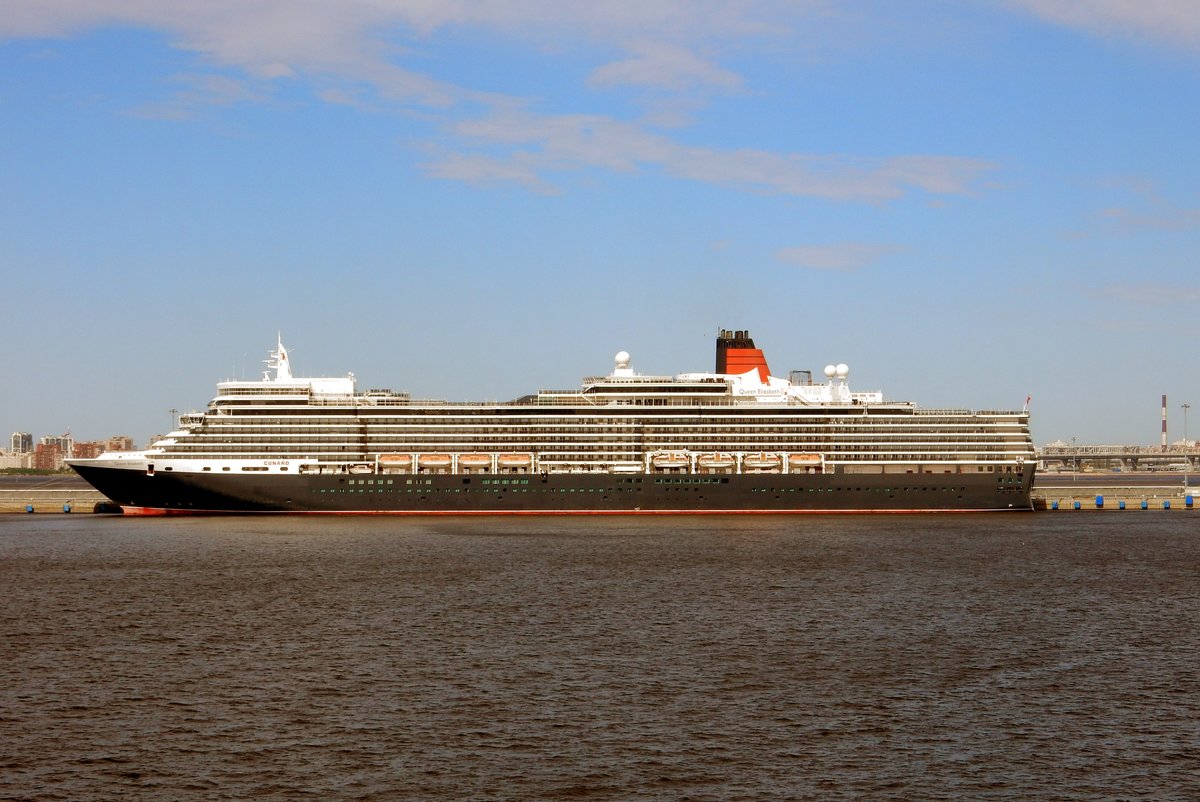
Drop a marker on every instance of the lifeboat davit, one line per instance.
(670, 460)
(761, 462)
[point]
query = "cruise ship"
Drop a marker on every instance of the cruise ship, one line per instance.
(735, 440)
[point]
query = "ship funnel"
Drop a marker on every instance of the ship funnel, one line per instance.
(736, 354)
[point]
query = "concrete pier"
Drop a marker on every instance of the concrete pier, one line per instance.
(58, 493)
(1112, 491)
(60, 501)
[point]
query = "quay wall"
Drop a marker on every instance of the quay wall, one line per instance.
(55, 500)
(1112, 497)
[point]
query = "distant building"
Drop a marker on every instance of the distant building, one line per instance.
(49, 456)
(62, 441)
(89, 450)
(120, 442)
(11, 460)
(51, 452)
(21, 443)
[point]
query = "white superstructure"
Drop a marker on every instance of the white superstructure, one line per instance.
(622, 422)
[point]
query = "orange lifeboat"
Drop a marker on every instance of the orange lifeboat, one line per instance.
(715, 462)
(395, 462)
(434, 462)
(670, 460)
(804, 460)
(761, 462)
(474, 462)
(515, 460)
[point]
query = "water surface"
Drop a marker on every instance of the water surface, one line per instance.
(1040, 656)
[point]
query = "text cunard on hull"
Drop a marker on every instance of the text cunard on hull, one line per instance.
(736, 440)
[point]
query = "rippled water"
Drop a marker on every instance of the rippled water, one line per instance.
(1047, 656)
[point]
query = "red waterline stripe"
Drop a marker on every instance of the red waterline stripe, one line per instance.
(155, 511)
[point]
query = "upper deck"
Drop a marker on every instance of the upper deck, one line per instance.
(623, 387)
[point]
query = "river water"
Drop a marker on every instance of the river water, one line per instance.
(1051, 656)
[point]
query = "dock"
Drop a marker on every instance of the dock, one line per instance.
(1117, 498)
(53, 493)
(1115, 491)
(59, 501)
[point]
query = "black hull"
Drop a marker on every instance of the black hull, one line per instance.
(562, 493)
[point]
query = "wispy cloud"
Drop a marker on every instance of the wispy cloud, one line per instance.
(347, 46)
(1174, 21)
(251, 32)
(841, 257)
(1148, 209)
(1126, 220)
(1146, 294)
(200, 92)
(354, 52)
(532, 144)
(477, 168)
(664, 66)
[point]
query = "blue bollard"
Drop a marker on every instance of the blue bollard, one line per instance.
(1099, 502)
(1078, 505)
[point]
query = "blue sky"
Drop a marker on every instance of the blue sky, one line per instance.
(968, 202)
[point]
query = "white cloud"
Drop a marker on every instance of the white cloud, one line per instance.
(349, 52)
(1175, 21)
(1153, 294)
(555, 143)
(361, 41)
(664, 66)
(842, 257)
(1126, 220)
(477, 168)
(1140, 207)
(606, 20)
(201, 91)
(263, 31)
